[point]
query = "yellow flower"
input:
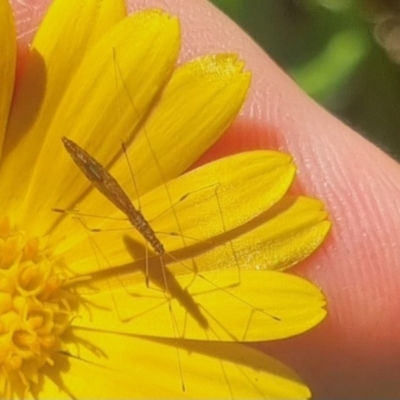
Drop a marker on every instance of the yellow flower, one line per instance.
(77, 319)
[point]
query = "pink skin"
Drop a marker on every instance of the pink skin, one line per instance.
(355, 352)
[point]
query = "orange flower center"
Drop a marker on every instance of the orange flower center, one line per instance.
(34, 309)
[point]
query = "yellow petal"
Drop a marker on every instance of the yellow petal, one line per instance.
(122, 366)
(145, 65)
(66, 32)
(196, 107)
(282, 237)
(207, 202)
(218, 197)
(218, 305)
(7, 65)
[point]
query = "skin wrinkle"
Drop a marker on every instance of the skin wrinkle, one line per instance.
(355, 353)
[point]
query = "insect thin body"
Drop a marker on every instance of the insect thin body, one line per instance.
(111, 189)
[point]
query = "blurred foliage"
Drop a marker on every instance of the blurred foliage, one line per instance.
(340, 52)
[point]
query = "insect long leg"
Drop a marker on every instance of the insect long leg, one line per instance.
(108, 186)
(170, 286)
(181, 233)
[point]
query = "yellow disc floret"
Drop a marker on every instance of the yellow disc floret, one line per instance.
(34, 308)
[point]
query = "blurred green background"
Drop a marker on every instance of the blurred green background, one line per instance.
(343, 53)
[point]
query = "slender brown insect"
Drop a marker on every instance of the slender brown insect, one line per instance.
(108, 185)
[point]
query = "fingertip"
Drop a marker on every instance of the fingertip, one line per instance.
(358, 266)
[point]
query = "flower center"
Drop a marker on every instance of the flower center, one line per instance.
(34, 309)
